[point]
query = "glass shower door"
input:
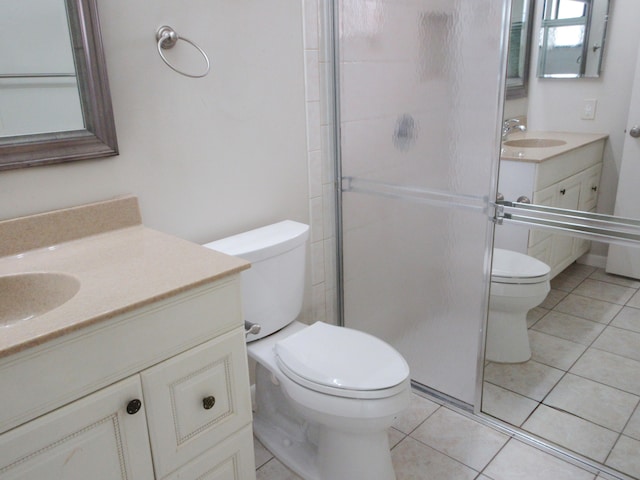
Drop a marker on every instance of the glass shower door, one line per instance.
(419, 109)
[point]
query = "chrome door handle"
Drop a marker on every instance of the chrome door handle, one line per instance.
(635, 131)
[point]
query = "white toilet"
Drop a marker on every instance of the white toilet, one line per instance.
(325, 395)
(518, 284)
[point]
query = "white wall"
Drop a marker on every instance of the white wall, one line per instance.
(207, 157)
(516, 108)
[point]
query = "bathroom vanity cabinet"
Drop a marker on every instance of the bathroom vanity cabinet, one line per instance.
(564, 177)
(162, 392)
(140, 373)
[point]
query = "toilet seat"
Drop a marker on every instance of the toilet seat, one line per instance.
(342, 362)
(517, 268)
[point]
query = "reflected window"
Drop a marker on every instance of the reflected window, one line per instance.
(569, 9)
(571, 38)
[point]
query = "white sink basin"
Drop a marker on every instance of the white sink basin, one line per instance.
(27, 295)
(534, 143)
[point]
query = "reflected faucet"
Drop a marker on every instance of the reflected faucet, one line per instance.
(510, 125)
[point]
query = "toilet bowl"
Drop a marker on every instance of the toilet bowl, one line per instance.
(324, 395)
(518, 284)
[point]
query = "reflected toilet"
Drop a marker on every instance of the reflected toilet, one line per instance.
(518, 284)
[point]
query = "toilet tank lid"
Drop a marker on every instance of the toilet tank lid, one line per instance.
(263, 242)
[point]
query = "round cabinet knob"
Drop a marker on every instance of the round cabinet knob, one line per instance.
(594, 188)
(563, 191)
(208, 402)
(133, 406)
(635, 131)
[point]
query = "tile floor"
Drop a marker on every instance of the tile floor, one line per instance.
(434, 442)
(581, 388)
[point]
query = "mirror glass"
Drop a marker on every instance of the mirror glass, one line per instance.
(576, 387)
(572, 38)
(519, 48)
(54, 90)
(38, 85)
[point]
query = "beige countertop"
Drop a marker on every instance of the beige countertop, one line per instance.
(540, 154)
(121, 265)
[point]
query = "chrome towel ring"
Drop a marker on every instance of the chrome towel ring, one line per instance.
(167, 38)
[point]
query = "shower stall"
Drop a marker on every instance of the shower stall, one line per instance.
(420, 87)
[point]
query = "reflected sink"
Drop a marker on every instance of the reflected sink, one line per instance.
(27, 295)
(534, 143)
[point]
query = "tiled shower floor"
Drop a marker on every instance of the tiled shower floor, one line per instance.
(581, 388)
(433, 442)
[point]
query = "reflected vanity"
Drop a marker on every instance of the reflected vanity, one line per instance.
(554, 169)
(579, 390)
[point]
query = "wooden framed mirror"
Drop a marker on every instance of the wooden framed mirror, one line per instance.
(93, 135)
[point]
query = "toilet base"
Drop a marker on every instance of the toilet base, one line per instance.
(338, 456)
(507, 337)
(313, 451)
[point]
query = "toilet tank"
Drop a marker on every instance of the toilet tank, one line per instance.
(273, 288)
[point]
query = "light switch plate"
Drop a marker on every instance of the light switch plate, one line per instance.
(589, 109)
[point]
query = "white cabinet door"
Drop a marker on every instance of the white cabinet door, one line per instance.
(93, 438)
(231, 460)
(590, 182)
(547, 197)
(542, 250)
(567, 196)
(196, 399)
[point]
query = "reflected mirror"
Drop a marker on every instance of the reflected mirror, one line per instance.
(519, 48)
(54, 91)
(572, 37)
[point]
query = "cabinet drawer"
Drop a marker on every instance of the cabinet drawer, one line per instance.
(196, 399)
(230, 460)
(92, 438)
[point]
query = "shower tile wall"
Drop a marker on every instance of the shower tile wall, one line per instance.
(318, 92)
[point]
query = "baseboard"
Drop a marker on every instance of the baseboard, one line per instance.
(599, 261)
